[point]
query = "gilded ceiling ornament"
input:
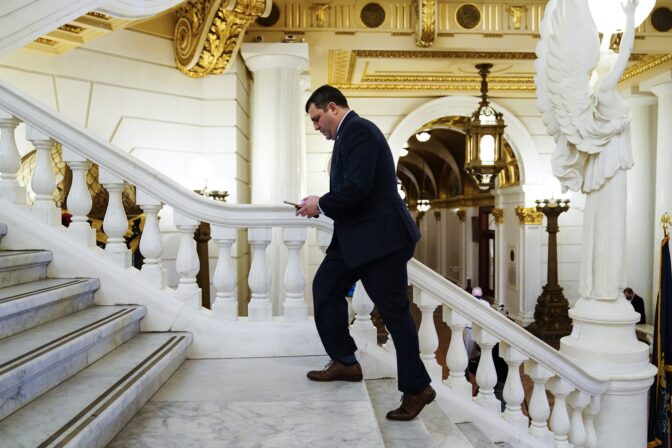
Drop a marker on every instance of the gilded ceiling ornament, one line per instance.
(517, 13)
(208, 33)
(529, 215)
(426, 31)
(498, 213)
(319, 13)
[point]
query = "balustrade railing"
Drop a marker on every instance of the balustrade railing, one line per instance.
(576, 394)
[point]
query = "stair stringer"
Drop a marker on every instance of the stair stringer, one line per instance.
(213, 338)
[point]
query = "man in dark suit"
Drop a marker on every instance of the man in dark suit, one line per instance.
(374, 237)
(637, 303)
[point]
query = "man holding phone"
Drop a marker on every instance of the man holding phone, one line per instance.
(374, 237)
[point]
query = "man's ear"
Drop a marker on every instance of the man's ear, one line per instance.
(332, 107)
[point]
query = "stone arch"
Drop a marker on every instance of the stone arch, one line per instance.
(515, 133)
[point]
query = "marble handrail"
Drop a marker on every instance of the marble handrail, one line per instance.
(119, 163)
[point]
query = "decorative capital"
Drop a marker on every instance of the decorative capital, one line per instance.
(208, 33)
(437, 215)
(498, 213)
(529, 215)
(426, 32)
(516, 13)
(319, 13)
(461, 214)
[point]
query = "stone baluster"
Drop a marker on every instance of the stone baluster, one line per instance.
(79, 198)
(10, 160)
(428, 338)
(323, 239)
(151, 242)
(514, 394)
(486, 374)
(362, 328)
(186, 263)
(224, 278)
(259, 308)
(539, 408)
(589, 415)
(295, 304)
(43, 182)
(115, 223)
(559, 421)
(577, 402)
(457, 358)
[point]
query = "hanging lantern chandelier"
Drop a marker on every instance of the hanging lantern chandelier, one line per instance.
(484, 134)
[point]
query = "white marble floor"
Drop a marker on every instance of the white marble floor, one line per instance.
(258, 402)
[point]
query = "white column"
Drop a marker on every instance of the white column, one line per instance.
(295, 281)
(259, 308)
(457, 358)
(43, 182)
(10, 160)
(151, 242)
(427, 336)
(115, 223)
(464, 238)
(187, 264)
(661, 86)
(79, 198)
(640, 245)
(224, 278)
(529, 268)
(277, 146)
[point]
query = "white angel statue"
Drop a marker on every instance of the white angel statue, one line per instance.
(576, 93)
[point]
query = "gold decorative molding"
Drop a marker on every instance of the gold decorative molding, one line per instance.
(461, 214)
(426, 32)
(498, 213)
(45, 41)
(71, 28)
(319, 13)
(646, 64)
(445, 54)
(529, 215)
(516, 13)
(208, 33)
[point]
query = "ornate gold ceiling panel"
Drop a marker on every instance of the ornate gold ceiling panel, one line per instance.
(71, 35)
(208, 33)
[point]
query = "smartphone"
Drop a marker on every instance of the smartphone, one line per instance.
(296, 206)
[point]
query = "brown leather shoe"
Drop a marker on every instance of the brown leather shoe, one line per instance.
(412, 404)
(336, 371)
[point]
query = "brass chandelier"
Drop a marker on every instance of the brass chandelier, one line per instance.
(484, 134)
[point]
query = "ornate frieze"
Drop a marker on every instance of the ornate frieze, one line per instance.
(208, 33)
(529, 215)
(426, 31)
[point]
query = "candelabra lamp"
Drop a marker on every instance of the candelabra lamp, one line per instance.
(551, 317)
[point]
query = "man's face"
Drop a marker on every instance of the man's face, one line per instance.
(629, 295)
(325, 121)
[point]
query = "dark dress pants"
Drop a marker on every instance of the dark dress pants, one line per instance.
(386, 282)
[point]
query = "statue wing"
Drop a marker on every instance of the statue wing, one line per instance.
(567, 54)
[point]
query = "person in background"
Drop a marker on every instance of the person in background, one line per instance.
(637, 303)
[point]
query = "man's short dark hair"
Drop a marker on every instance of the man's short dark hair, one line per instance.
(324, 95)
(628, 291)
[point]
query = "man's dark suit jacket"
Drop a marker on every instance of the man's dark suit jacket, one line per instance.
(638, 304)
(370, 218)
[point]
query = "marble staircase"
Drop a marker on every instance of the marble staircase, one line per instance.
(72, 373)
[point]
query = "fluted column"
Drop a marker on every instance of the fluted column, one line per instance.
(10, 160)
(277, 144)
(661, 87)
(640, 198)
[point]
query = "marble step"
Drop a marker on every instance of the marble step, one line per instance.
(36, 360)
(477, 438)
(253, 402)
(31, 304)
(88, 409)
(23, 266)
(432, 428)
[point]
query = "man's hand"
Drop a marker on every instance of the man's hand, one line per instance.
(308, 207)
